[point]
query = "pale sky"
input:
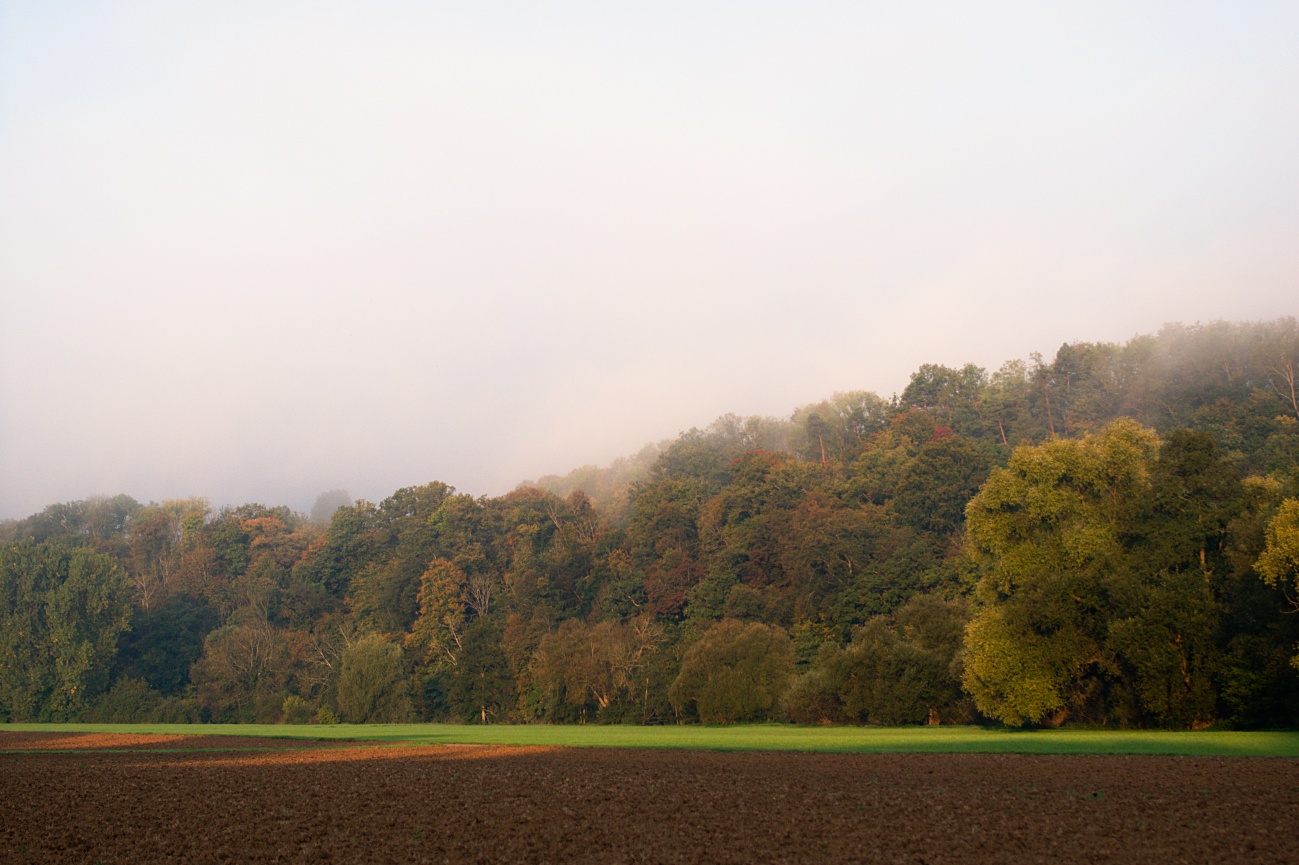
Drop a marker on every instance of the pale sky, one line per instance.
(252, 251)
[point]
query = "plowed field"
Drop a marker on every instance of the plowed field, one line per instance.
(276, 801)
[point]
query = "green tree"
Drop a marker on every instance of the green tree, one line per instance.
(663, 542)
(99, 522)
(949, 396)
(735, 672)
(1098, 596)
(899, 669)
(1279, 563)
(939, 482)
(1048, 527)
(826, 548)
(61, 612)
(1166, 629)
(164, 642)
(482, 687)
(372, 685)
(131, 701)
(834, 430)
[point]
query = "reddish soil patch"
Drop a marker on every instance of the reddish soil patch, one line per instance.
(496, 804)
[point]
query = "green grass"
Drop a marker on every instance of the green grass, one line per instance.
(764, 737)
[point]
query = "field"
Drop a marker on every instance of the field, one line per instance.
(414, 794)
(762, 737)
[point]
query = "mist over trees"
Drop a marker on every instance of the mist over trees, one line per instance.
(322, 511)
(1110, 536)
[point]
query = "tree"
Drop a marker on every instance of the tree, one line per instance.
(663, 542)
(835, 429)
(355, 538)
(372, 685)
(328, 502)
(98, 521)
(1279, 563)
(439, 631)
(707, 455)
(939, 482)
(482, 685)
(131, 701)
(158, 536)
(827, 547)
(743, 527)
(599, 663)
(164, 642)
(1096, 597)
(410, 528)
(735, 672)
(61, 611)
(244, 670)
(899, 669)
(949, 396)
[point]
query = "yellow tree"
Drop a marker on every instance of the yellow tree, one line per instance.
(1279, 563)
(438, 633)
(1049, 528)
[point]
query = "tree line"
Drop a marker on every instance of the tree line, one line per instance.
(1110, 537)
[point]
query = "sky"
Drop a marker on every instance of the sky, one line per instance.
(253, 251)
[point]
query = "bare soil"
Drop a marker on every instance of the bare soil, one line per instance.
(280, 802)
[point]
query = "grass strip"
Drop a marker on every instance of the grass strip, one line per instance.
(758, 737)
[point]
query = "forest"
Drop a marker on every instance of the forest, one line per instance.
(1106, 537)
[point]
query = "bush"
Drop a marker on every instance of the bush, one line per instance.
(887, 680)
(130, 701)
(295, 710)
(177, 710)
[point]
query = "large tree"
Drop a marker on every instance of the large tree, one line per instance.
(1279, 563)
(61, 611)
(1097, 596)
(735, 672)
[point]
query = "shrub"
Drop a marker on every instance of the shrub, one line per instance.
(176, 710)
(130, 701)
(295, 710)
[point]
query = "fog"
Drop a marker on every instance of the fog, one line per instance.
(257, 251)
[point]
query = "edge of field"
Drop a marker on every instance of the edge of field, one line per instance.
(761, 737)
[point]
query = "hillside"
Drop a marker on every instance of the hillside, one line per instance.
(1106, 536)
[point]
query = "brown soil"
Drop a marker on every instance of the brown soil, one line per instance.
(495, 804)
